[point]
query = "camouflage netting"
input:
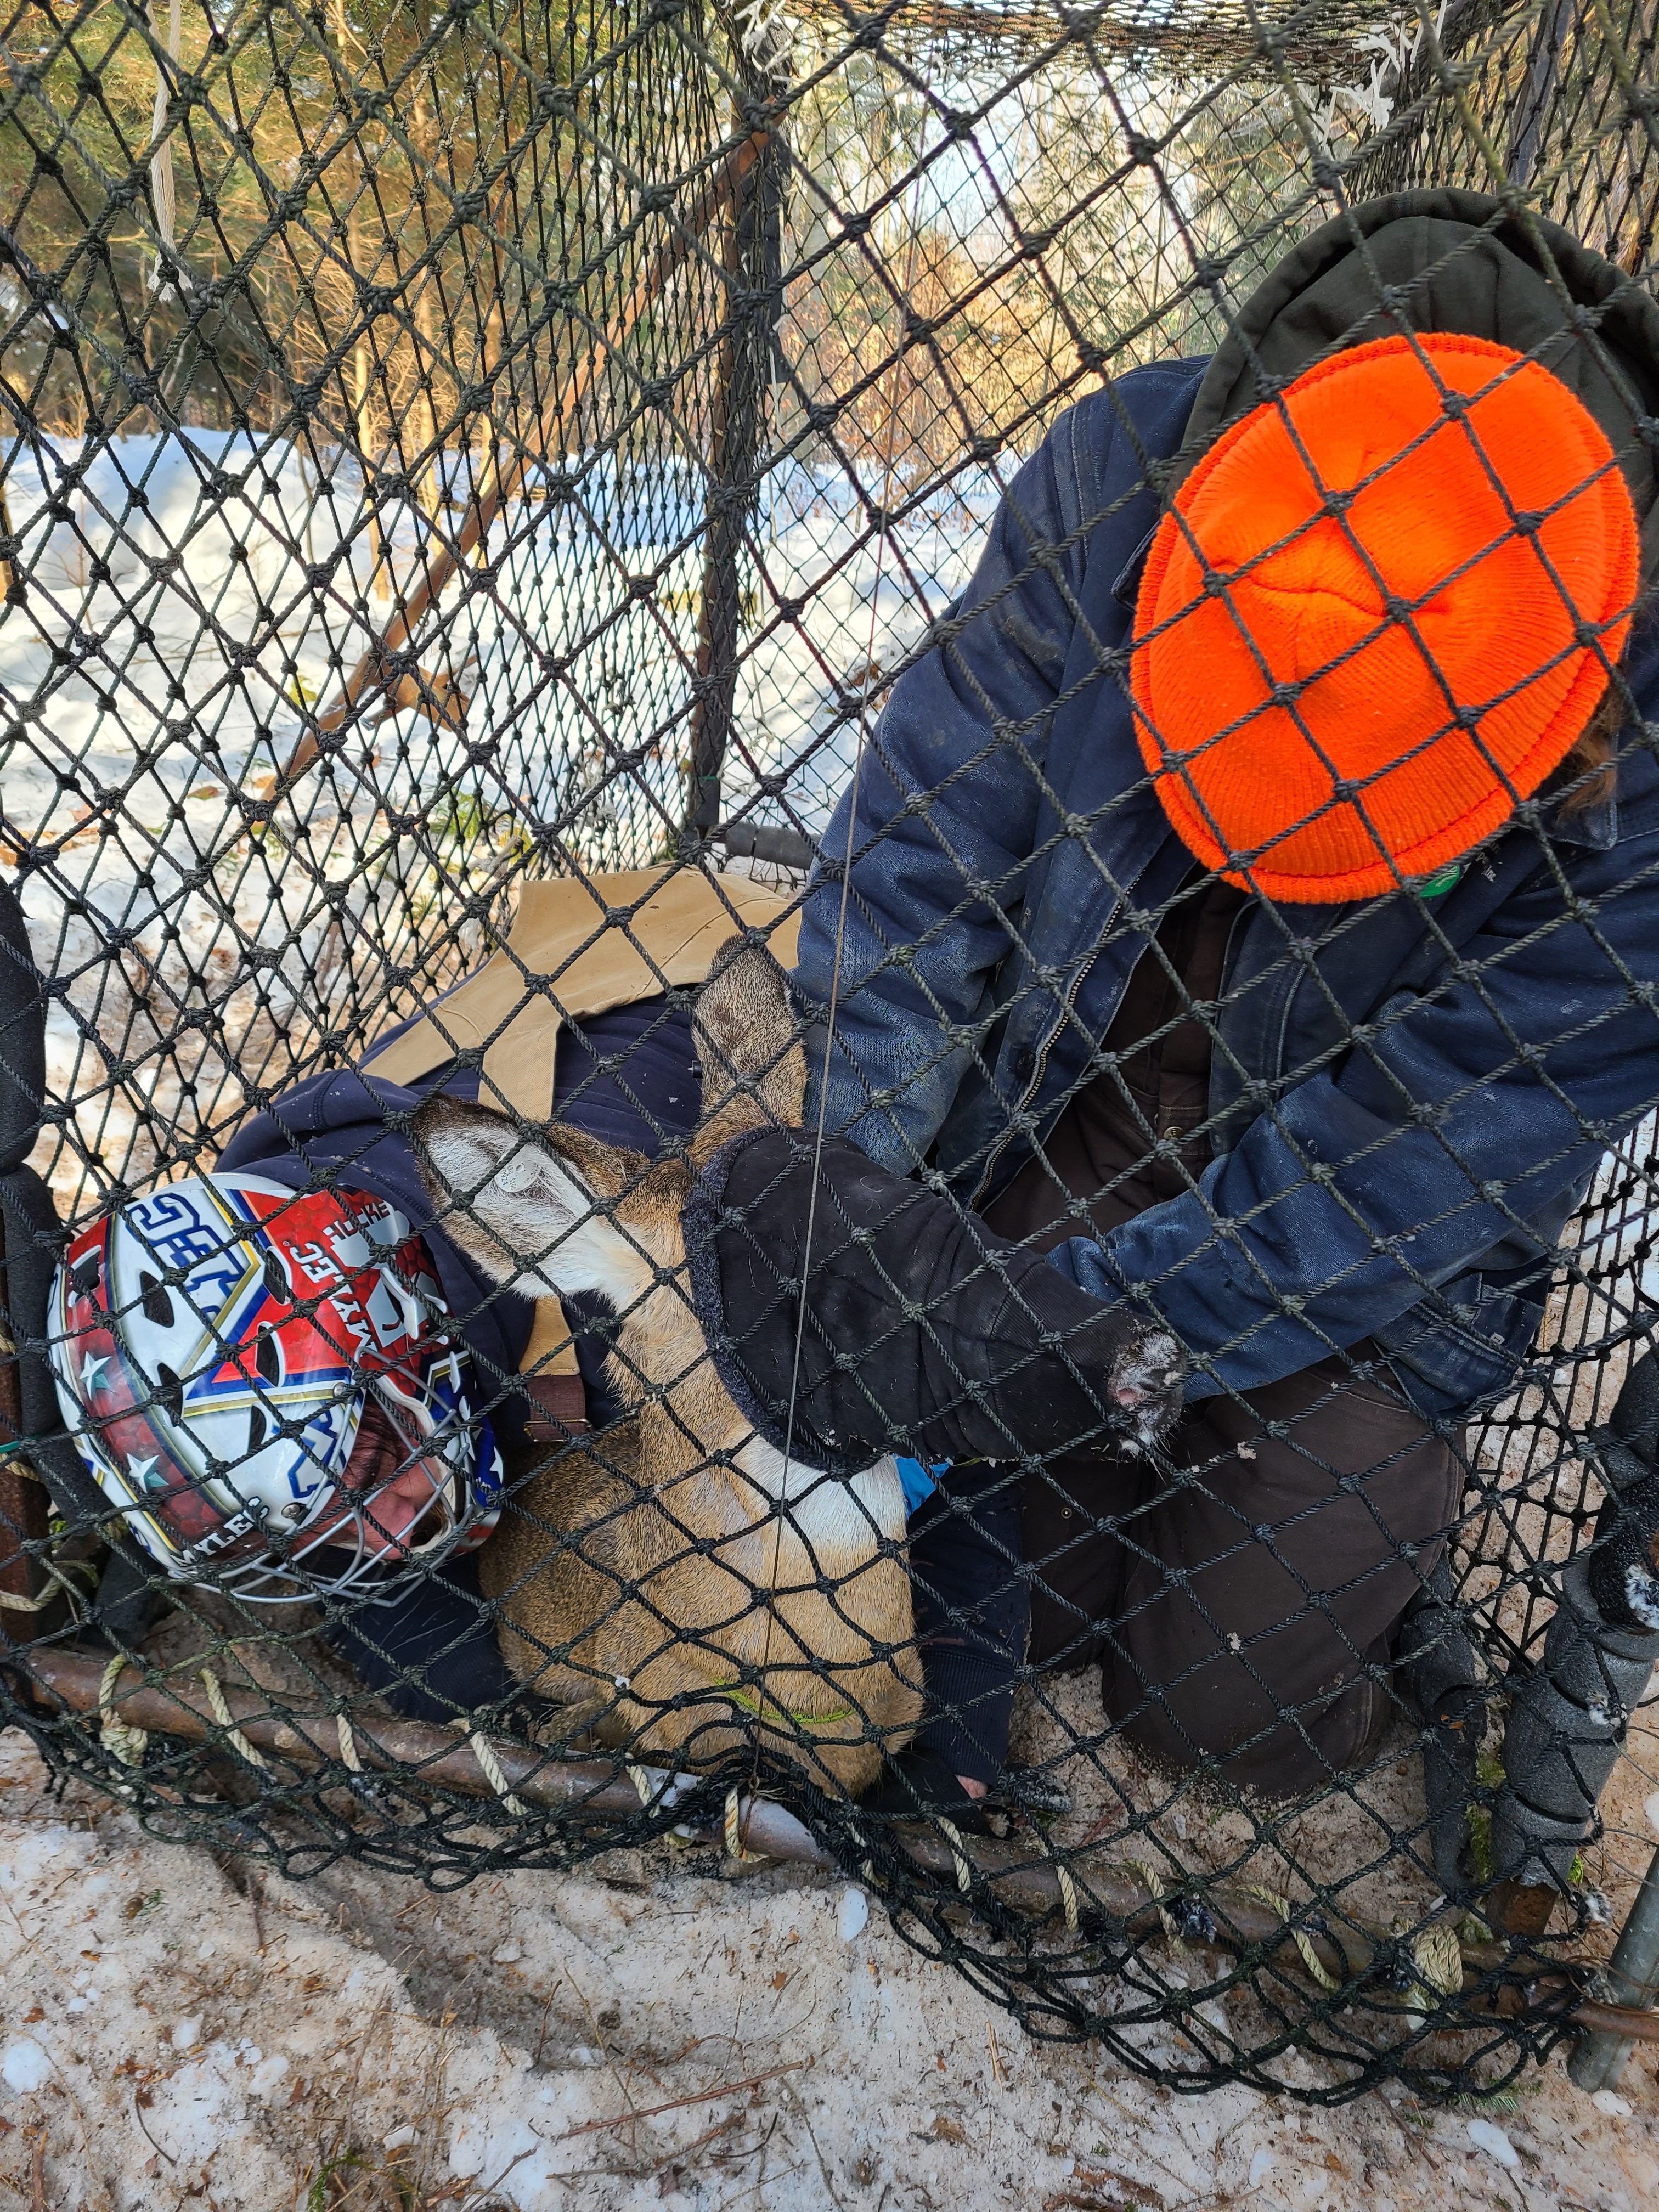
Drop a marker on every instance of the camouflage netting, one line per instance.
(450, 448)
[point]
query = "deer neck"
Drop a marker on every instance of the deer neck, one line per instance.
(693, 1435)
(842, 1517)
(662, 1365)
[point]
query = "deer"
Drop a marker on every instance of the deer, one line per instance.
(685, 1586)
(679, 1582)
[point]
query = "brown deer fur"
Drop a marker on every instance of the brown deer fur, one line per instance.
(675, 1578)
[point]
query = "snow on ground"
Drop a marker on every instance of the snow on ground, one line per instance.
(187, 596)
(175, 2037)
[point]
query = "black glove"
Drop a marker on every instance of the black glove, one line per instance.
(923, 1333)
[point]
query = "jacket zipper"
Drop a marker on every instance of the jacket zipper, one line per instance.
(1041, 1068)
(1082, 974)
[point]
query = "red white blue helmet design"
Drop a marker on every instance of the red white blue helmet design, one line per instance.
(259, 1380)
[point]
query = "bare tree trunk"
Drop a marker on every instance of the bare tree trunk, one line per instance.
(365, 427)
(754, 300)
(362, 356)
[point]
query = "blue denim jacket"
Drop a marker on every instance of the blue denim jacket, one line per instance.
(1408, 1097)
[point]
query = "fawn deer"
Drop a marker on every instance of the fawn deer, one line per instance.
(678, 1578)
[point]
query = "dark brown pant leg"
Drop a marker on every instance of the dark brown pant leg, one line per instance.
(1294, 1549)
(1258, 1593)
(1070, 1512)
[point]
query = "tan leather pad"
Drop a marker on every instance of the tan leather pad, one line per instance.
(580, 948)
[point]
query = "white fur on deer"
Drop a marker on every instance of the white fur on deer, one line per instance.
(832, 1512)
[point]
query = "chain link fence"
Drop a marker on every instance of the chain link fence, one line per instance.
(473, 478)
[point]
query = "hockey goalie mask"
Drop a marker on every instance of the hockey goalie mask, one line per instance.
(260, 1381)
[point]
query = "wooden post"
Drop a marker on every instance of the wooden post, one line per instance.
(754, 300)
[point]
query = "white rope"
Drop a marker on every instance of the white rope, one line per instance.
(1166, 1919)
(765, 33)
(1068, 1894)
(49, 1596)
(734, 1843)
(1063, 1876)
(484, 1751)
(14, 1601)
(641, 1781)
(958, 1852)
(1437, 1956)
(221, 1713)
(161, 162)
(116, 1736)
(347, 1744)
(1299, 1936)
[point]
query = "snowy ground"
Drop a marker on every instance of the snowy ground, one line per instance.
(641, 2035)
(186, 597)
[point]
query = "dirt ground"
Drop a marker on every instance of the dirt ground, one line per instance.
(629, 2038)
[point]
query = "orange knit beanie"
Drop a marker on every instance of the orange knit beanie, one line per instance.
(1332, 701)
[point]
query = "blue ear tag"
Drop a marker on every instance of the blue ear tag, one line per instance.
(919, 1481)
(1442, 880)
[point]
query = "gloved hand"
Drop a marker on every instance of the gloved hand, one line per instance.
(922, 1333)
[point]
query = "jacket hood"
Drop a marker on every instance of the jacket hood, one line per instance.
(1453, 261)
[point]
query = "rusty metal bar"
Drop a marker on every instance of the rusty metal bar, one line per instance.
(24, 1508)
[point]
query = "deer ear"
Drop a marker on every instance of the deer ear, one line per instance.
(530, 1212)
(748, 1039)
